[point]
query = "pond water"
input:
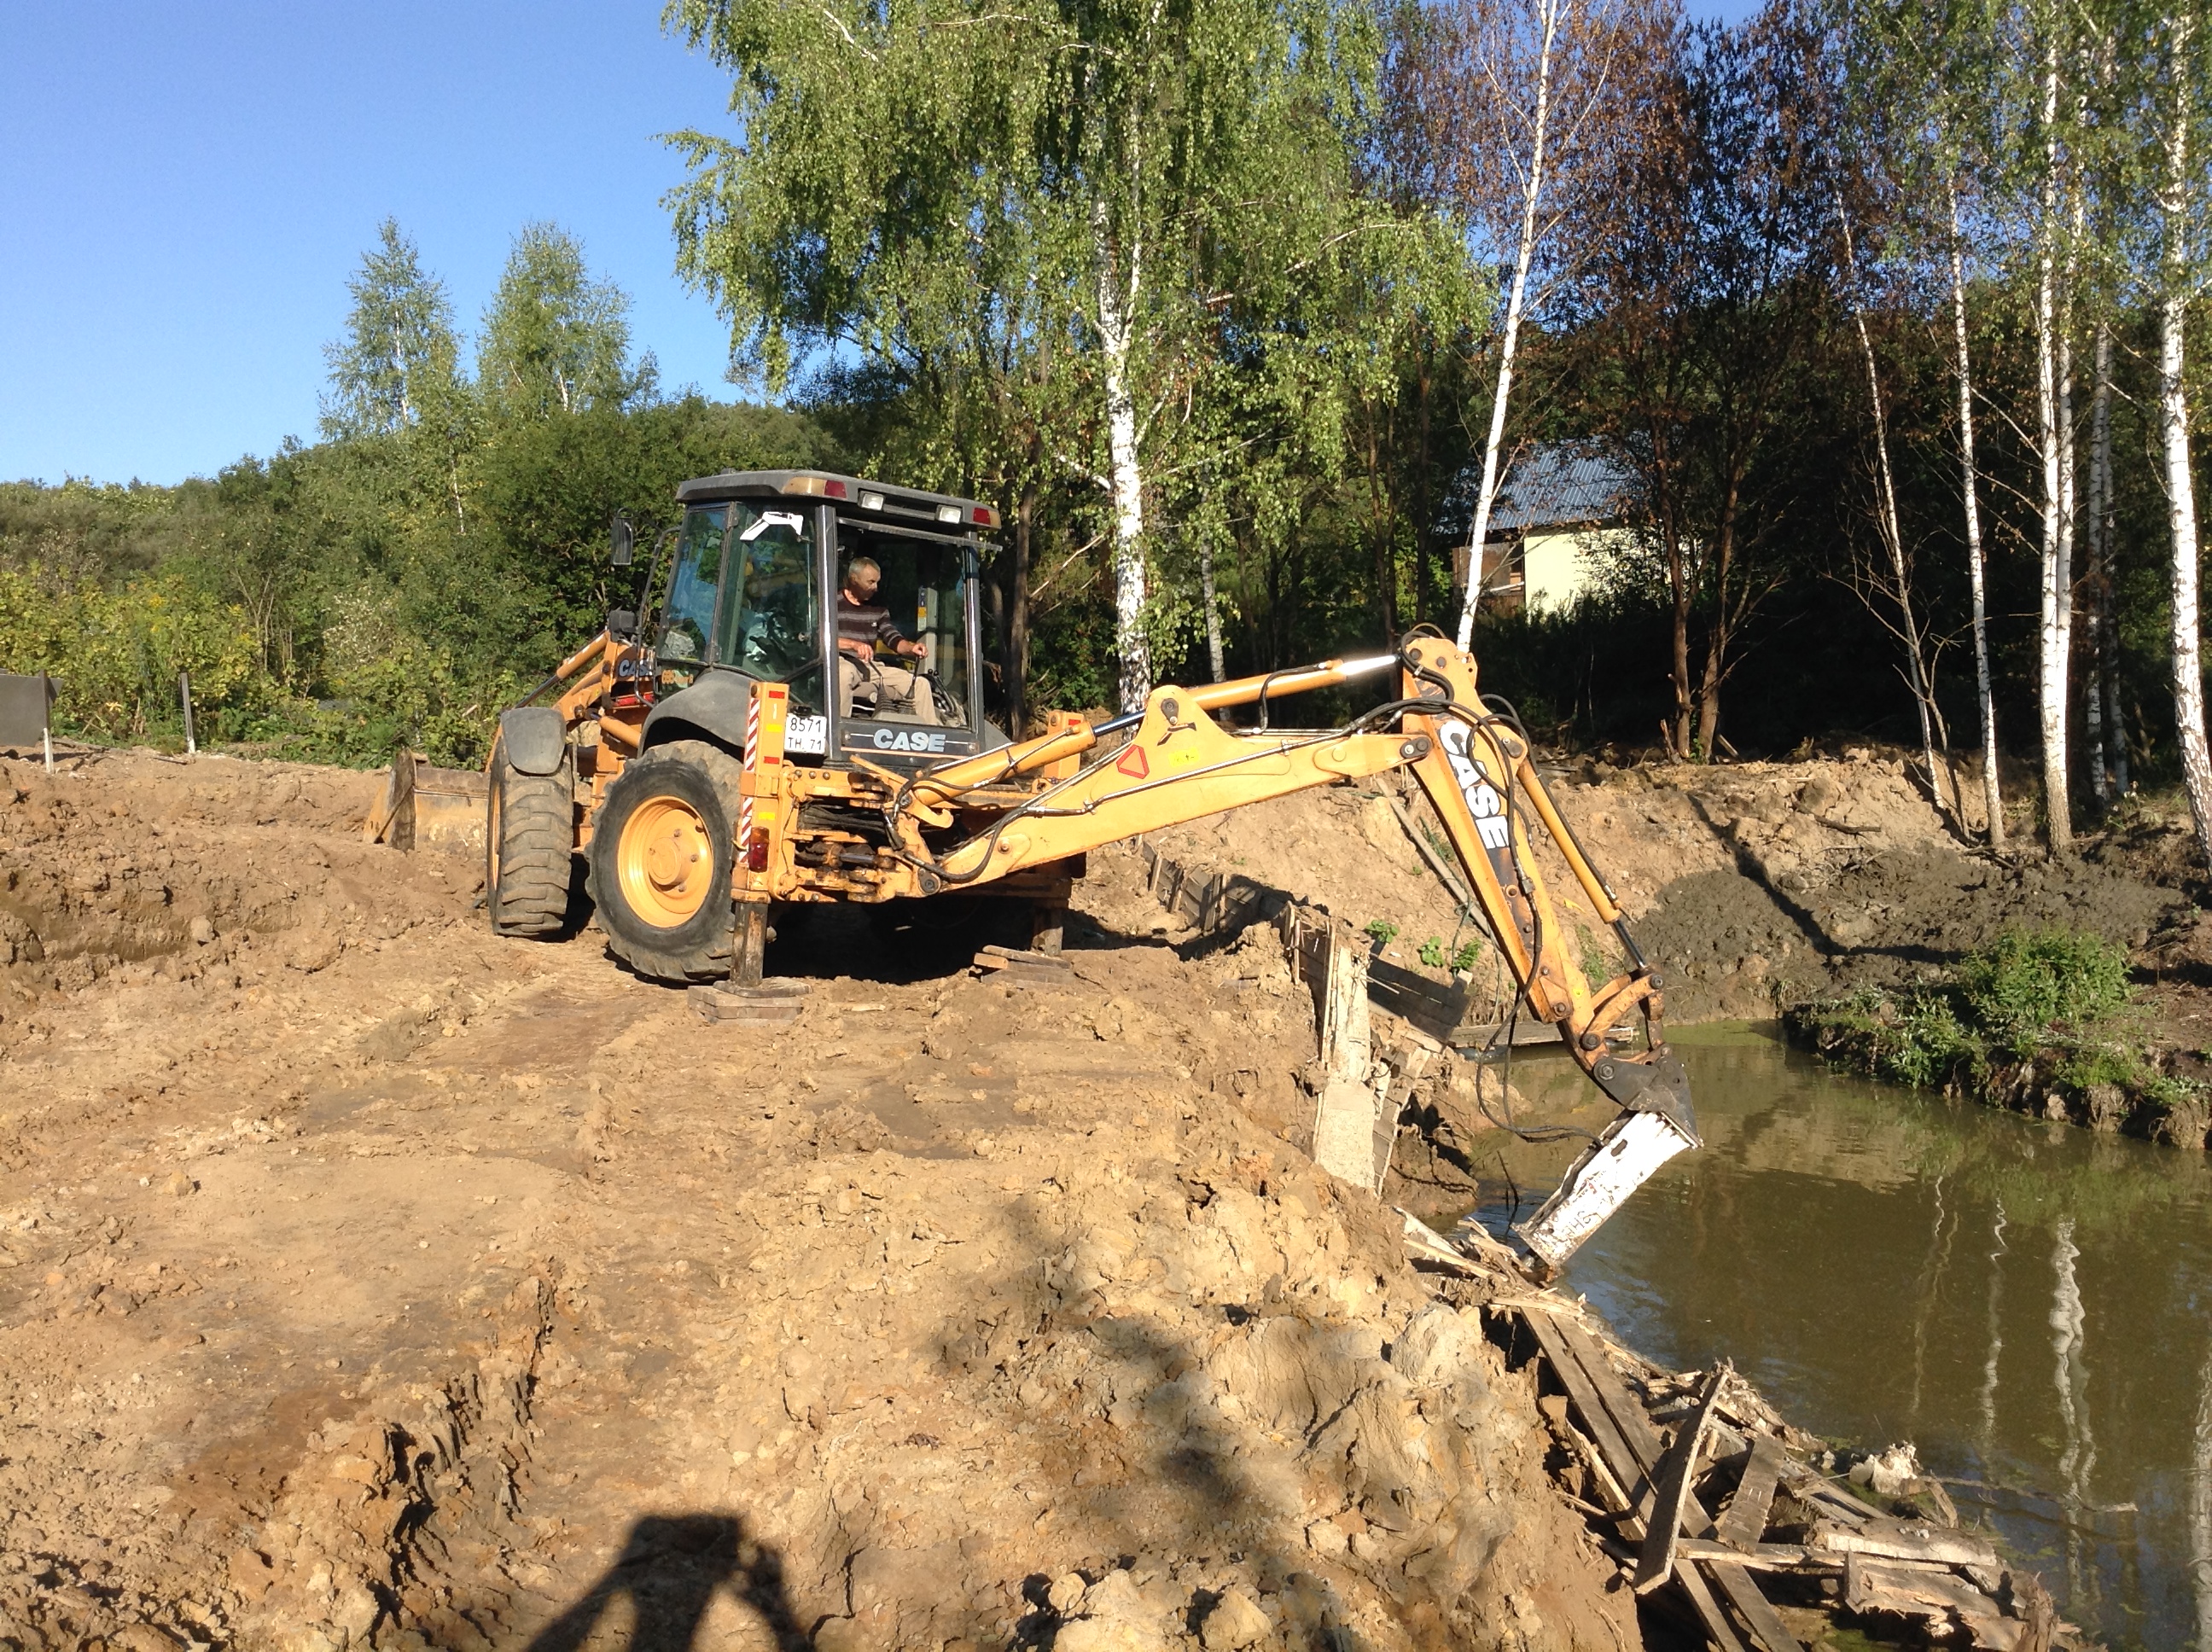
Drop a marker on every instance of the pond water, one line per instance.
(2029, 1304)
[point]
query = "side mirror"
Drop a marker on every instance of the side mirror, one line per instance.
(625, 540)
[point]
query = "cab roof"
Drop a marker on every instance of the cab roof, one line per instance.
(852, 496)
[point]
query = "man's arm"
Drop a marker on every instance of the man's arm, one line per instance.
(888, 635)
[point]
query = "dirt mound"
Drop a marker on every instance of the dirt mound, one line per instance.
(157, 868)
(452, 1290)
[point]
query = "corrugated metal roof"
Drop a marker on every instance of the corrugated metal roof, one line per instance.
(1561, 485)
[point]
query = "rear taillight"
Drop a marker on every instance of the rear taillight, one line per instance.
(756, 850)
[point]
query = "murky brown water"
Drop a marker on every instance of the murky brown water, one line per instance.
(2030, 1305)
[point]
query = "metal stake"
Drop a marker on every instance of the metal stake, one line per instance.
(185, 693)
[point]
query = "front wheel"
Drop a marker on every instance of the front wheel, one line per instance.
(529, 836)
(661, 860)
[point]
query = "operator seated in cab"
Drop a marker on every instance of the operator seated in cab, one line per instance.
(866, 687)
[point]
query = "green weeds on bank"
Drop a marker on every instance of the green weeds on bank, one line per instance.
(2051, 999)
(2057, 999)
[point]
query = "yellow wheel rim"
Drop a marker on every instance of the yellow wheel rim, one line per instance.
(665, 860)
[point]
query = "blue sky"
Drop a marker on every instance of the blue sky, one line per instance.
(186, 189)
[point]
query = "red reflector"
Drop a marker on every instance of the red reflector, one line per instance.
(756, 850)
(836, 490)
(1133, 764)
(983, 516)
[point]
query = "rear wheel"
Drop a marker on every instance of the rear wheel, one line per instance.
(660, 861)
(529, 835)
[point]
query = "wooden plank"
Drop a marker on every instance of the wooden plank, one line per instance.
(1912, 1591)
(1745, 1521)
(1615, 1420)
(1718, 1629)
(1766, 1624)
(1679, 1469)
(1881, 1541)
(1812, 1491)
(1760, 1556)
(1604, 1432)
(1635, 1427)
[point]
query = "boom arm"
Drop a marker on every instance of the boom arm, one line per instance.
(1179, 764)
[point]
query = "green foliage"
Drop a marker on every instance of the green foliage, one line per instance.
(399, 359)
(1432, 953)
(1381, 930)
(2029, 985)
(408, 577)
(555, 341)
(117, 650)
(2048, 995)
(984, 229)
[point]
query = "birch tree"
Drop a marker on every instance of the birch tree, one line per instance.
(1525, 108)
(555, 341)
(399, 350)
(2178, 106)
(1927, 91)
(1918, 670)
(2054, 425)
(1151, 185)
(1969, 493)
(2102, 728)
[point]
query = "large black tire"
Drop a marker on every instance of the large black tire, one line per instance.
(530, 836)
(660, 859)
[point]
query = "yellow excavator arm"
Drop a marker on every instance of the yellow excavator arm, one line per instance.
(1178, 764)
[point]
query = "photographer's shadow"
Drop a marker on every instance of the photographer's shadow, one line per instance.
(671, 1568)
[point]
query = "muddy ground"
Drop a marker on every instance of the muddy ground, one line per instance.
(366, 1280)
(371, 1281)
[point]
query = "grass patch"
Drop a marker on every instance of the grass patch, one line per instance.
(2054, 1002)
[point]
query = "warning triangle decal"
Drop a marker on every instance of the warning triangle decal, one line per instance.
(1132, 762)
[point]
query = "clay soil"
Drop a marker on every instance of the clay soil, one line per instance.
(366, 1281)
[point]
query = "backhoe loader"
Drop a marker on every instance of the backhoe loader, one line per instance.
(713, 757)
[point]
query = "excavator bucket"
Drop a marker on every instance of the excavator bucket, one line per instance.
(1598, 1183)
(425, 807)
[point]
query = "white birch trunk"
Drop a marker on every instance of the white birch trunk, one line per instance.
(2051, 637)
(2094, 686)
(1117, 303)
(1917, 676)
(1516, 296)
(2173, 206)
(1992, 790)
(1212, 613)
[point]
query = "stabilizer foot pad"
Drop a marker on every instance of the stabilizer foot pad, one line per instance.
(773, 1004)
(1019, 968)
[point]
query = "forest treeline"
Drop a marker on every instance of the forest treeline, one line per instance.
(1245, 314)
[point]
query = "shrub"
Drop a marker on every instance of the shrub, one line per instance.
(2029, 984)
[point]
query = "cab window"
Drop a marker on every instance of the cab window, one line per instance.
(688, 624)
(770, 623)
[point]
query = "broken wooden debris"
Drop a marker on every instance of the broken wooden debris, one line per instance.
(1678, 1469)
(1830, 1549)
(1746, 1518)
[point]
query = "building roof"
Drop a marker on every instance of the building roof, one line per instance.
(1559, 485)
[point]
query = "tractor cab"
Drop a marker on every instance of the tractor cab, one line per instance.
(864, 599)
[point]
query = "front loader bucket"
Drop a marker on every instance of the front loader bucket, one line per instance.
(425, 807)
